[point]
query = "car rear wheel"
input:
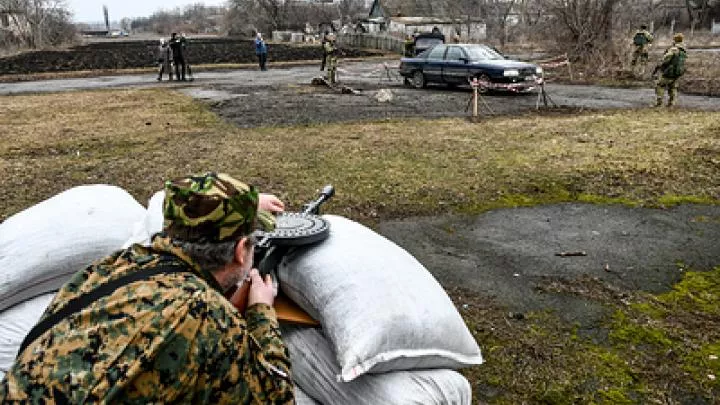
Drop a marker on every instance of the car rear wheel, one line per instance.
(418, 80)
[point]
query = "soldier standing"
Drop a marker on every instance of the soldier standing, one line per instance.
(642, 40)
(324, 54)
(152, 325)
(332, 61)
(409, 46)
(178, 56)
(672, 67)
(184, 44)
(163, 58)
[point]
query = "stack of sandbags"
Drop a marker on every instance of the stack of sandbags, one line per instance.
(386, 323)
(44, 245)
(315, 369)
(15, 324)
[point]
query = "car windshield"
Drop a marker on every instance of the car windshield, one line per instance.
(482, 52)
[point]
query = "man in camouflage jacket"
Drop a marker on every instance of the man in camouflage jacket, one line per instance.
(171, 337)
(641, 40)
(671, 68)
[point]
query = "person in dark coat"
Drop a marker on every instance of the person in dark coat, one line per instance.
(178, 56)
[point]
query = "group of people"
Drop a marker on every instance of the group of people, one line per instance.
(171, 54)
(670, 68)
(153, 325)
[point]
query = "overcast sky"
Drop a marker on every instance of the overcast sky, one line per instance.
(91, 10)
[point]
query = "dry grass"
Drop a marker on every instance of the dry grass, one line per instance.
(136, 138)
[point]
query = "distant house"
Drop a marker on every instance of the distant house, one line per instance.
(404, 17)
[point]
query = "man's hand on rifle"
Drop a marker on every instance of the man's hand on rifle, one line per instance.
(269, 202)
(261, 291)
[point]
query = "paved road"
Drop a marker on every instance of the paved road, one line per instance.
(225, 85)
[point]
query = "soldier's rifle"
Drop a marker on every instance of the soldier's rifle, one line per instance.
(292, 230)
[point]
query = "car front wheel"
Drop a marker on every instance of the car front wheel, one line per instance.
(419, 80)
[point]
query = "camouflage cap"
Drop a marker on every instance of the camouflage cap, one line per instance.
(213, 207)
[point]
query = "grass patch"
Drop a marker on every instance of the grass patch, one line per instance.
(655, 349)
(136, 138)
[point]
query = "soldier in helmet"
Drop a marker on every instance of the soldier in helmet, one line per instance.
(151, 324)
(332, 60)
(641, 40)
(671, 68)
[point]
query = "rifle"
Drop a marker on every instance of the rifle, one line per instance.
(292, 230)
(655, 71)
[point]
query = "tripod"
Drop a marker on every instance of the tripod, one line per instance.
(545, 97)
(475, 97)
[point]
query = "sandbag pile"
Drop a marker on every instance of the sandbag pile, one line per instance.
(42, 246)
(389, 332)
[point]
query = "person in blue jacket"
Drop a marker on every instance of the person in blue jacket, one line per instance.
(261, 51)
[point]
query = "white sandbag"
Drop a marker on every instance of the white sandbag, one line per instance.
(42, 246)
(15, 323)
(379, 307)
(301, 398)
(315, 370)
(152, 223)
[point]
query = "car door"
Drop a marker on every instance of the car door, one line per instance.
(455, 68)
(434, 63)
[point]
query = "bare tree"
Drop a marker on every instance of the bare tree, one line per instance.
(348, 10)
(32, 16)
(586, 26)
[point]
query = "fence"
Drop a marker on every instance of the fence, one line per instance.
(372, 41)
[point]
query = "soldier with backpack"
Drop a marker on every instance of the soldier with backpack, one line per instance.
(672, 67)
(642, 40)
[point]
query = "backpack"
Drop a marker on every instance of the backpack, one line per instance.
(640, 39)
(676, 67)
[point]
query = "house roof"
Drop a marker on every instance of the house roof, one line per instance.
(409, 8)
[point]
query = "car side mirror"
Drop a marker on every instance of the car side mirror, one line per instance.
(465, 60)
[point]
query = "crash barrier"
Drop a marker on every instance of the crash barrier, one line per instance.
(350, 284)
(381, 311)
(556, 62)
(315, 370)
(372, 41)
(43, 245)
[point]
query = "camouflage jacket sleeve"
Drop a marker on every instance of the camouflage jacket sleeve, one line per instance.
(250, 363)
(269, 363)
(668, 56)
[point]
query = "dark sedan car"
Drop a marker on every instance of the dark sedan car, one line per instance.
(457, 64)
